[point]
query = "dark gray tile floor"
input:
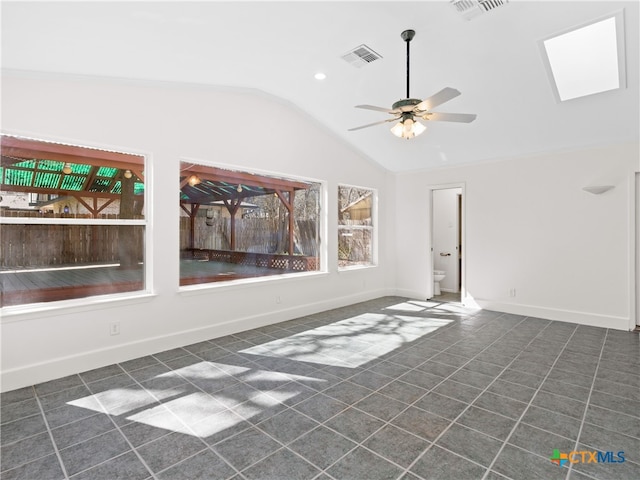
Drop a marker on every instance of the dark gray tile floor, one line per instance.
(386, 389)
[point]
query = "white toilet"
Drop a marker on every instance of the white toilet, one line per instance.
(438, 276)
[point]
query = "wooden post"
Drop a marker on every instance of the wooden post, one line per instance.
(126, 243)
(291, 221)
(191, 211)
(233, 209)
(288, 203)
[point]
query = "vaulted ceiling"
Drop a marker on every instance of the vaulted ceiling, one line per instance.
(495, 60)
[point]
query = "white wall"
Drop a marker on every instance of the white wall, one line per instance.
(169, 123)
(530, 226)
(445, 236)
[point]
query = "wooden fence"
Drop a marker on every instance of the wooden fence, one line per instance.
(257, 235)
(355, 242)
(35, 245)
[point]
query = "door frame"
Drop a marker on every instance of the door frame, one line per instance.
(635, 252)
(463, 222)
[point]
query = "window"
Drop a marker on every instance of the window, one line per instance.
(72, 221)
(236, 225)
(356, 222)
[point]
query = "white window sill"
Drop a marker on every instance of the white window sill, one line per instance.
(38, 310)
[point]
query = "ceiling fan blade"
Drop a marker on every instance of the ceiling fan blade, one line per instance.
(377, 109)
(374, 123)
(450, 117)
(439, 98)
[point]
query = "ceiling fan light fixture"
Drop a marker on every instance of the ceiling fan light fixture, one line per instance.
(408, 128)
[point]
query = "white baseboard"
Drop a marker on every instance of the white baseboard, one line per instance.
(449, 290)
(413, 294)
(571, 316)
(63, 366)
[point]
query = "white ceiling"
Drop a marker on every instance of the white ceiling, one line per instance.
(277, 47)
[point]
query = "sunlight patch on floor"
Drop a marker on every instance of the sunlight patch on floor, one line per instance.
(351, 342)
(203, 414)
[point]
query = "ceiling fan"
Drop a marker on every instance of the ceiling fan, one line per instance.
(408, 110)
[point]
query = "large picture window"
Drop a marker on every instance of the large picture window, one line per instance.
(237, 224)
(356, 223)
(72, 222)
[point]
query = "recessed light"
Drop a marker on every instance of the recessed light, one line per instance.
(587, 60)
(319, 76)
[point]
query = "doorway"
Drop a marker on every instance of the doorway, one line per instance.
(447, 241)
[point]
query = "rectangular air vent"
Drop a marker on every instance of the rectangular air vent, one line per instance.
(470, 9)
(361, 55)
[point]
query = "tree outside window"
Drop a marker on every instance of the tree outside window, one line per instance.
(356, 223)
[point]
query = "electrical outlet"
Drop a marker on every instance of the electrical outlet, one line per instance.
(114, 328)
(278, 300)
(512, 292)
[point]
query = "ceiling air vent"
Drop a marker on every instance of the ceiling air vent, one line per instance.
(361, 55)
(472, 8)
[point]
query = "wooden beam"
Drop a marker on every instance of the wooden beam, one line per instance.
(65, 193)
(91, 209)
(36, 149)
(284, 200)
(240, 178)
(182, 206)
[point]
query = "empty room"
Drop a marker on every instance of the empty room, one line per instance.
(302, 240)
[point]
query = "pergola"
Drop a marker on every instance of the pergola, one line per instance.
(97, 178)
(203, 185)
(94, 177)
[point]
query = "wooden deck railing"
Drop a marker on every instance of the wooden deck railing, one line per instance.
(295, 263)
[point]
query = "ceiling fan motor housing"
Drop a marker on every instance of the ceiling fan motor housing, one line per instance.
(406, 104)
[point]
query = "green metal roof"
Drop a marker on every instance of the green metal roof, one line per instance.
(48, 175)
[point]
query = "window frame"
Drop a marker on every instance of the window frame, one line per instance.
(24, 309)
(321, 223)
(373, 228)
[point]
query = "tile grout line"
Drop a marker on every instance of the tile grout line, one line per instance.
(53, 442)
(254, 366)
(458, 369)
(357, 444)
(405, 470)
(470, 404)
(586, 408)
(513, 429)
(162, 404)
(117, 427)
(177, 417)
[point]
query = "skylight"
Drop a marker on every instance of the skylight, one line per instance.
(587, 60)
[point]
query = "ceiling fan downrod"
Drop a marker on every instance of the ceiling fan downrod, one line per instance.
(407, 36)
